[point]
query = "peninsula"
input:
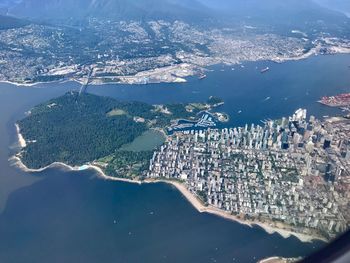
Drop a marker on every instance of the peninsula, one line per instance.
(76, 129)
(289, 176)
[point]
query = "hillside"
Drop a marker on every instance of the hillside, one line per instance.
(306, 15)
(278, 15)
(111, 9)
(7, 22)
(342, 6)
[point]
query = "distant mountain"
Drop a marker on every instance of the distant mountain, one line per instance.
(7, 22)
(9, 3)
(110, 9)
(6, 4)
(306, 15)
(275, 15)
(342, 6)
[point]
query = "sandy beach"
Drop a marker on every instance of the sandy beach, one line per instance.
(279, 260)
(218, 212)
(200, 207)
(196, 203)
(21, 141)
(270, 260)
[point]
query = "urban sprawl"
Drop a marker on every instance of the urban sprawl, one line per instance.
(293, 174)
(134, 52)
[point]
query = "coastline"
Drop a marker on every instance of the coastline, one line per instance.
(279, 260)
(192, 199)
(270, 259)
(21, 141)
(32, 85)
(311, 53)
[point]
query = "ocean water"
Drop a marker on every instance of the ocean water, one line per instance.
(274, 94)
(64, 216)
(76, 217)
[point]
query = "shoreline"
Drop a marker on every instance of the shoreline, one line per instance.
(21, 141)
(33, 85)
(266, 260)
(276, 259)
(192, 199)
(311, 53)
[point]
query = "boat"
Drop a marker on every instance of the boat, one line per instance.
(265, 70)
(202, 76)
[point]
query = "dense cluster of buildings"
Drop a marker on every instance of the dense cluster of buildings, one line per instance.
(136, 52)
(293, 173)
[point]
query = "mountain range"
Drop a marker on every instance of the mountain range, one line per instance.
(305, 15)
(7, 22)
(342, 6)
(110, 9)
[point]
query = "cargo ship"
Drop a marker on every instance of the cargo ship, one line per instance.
(341, 100)
(265, 70)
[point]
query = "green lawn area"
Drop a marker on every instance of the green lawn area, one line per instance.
(116, 112)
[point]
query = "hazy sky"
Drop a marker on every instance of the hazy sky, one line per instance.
(339, 5)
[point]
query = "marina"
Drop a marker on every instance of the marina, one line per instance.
(61, 197)
(206, 121)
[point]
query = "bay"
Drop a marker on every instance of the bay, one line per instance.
(63, 216)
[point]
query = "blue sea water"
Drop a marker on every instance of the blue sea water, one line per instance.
(75, 217)
(274, 94)
(64, 216)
